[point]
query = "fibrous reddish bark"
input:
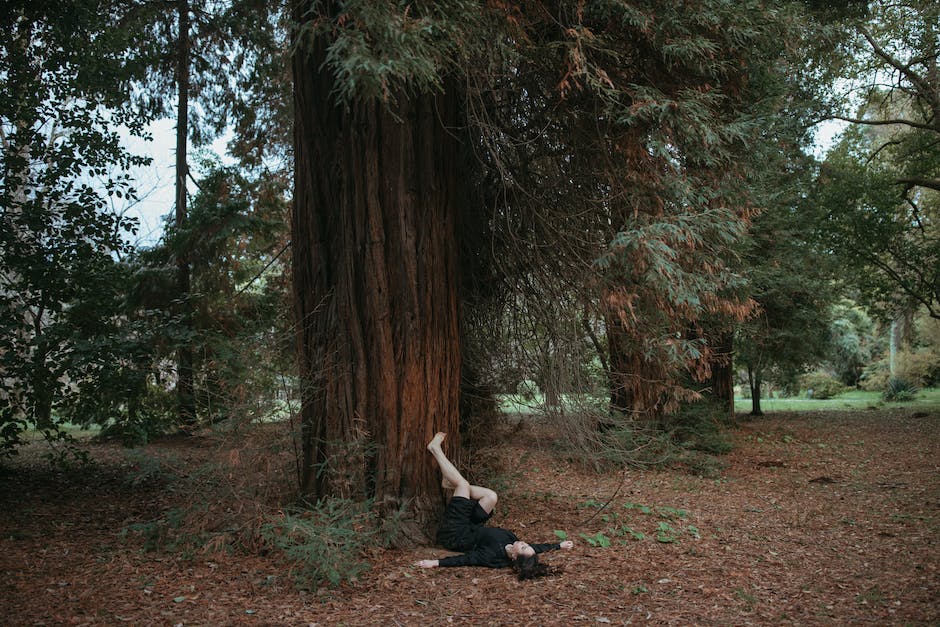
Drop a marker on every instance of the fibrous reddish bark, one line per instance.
(375, 288)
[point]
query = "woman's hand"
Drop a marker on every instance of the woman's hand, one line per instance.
(567, 544)
(427, 564)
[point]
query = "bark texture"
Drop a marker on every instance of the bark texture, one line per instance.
(375, 290)
(722, 373)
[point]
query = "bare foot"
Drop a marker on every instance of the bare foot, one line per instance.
(436, 441)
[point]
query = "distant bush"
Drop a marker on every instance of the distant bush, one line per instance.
(875, 376)
(900, 390)
(921, 367)
(823, 385)
(527, 390)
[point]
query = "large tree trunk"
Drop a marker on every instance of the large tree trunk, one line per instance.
(636, 383)
(722, 376)
(375, 289)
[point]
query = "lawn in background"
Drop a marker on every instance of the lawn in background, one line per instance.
(856, 399)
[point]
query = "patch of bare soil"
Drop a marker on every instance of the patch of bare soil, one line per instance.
(816, 519)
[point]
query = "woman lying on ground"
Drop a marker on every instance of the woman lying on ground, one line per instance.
(462, 528)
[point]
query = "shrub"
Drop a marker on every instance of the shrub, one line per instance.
(325, 544)
(527, 389)
(921, 367)
(899, 390)
(699, 426)
(875, 376)
(823, 385)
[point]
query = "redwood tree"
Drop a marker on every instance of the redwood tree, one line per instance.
(376, 199)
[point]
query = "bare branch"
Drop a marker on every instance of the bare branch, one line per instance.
(898, 121)
(921, 182)
(922, 84)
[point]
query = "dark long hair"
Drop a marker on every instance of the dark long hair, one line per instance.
(529, 567)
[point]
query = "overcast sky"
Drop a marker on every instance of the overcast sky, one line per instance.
(155, 182)
(155, 185)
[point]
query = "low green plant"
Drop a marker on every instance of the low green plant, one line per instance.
(666, 534)
(625, 530)
(899, 390)
(326, 543)
(167, 533)
(749, 599)
(701, 426)
(145, 468)
(874, 597)
(598, 539)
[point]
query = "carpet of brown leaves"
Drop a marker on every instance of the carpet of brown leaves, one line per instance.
(815, 519)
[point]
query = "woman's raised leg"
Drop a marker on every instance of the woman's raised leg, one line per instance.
(453, 480)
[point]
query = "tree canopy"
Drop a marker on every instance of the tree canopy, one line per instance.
(608, 201)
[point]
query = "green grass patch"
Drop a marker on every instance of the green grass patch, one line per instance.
(928, 399)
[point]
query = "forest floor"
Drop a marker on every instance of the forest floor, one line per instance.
(813, 519)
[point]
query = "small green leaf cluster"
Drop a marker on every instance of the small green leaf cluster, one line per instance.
(168, 532)
(671, 526)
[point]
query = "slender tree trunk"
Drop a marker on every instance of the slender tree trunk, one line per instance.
(375, 289)
(754, 381)
(184, 369)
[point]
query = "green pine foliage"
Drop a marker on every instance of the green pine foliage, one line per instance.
(326, 544)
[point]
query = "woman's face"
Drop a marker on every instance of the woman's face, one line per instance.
(518, 548)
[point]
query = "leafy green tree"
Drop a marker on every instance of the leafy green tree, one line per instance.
(890, 63)
(877, 194)
(853, 342)
(888, 244)
(62, 164)
(790, 283)
(234, 234)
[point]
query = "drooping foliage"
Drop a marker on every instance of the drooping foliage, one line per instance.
(617, 140)
(884, 235)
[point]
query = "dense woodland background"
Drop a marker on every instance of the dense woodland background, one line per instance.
(435, 215)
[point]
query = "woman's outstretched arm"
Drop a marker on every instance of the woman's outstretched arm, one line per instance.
(428, 563)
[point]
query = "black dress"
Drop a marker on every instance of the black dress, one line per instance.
(463, 530)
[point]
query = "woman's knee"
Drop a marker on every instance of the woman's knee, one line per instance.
(488, 499)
